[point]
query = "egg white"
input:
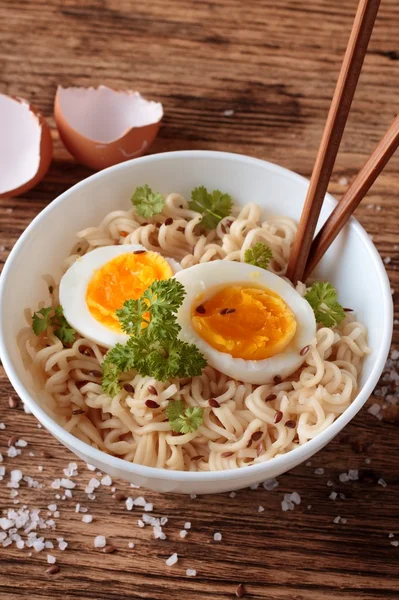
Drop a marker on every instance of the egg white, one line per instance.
(73, 289)
(203, 280)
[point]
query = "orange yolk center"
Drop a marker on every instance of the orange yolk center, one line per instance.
(247, 322)
(124, 277)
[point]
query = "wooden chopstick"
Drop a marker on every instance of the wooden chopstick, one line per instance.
(332, 134)
(352, 197)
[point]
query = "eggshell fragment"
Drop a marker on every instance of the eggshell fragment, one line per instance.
(25, 146)
(102, 127)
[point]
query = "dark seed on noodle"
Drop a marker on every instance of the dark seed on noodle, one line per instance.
(128, 388)
(152, 390)
(78, 411)
(304, 350)
(214, 403)
(291, 424)
(227, 454)
(95, 373)
(270, 397)
(256, 435)
(12, 440)
(151, 404)
(260, 449)
(198, 457)
(109, 549)
(278, 416)
(230, 311)
(277, 379)
(168, 221)
(240, 591)
(12, 402)
(119, 496)
(53, 570)
(348, 309)
(181, 229)
(200, 309)
(139, 251)
(223, 311)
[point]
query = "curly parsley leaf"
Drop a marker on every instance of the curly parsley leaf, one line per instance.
(41, 320)
(147, 202)
(213, 207)
(259, 255)
(154, 349)
(182, 418)
(323, 298)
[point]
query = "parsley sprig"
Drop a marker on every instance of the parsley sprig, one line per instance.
(259, 255)
(182, 418)
(154, 349)
(49, 317)
(323, 298)
(147, 202)
(213, 206)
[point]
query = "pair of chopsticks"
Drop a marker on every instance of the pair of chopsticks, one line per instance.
(306, 251)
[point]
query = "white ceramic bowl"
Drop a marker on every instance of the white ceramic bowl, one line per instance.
(352, 264)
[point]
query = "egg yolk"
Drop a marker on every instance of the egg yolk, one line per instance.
(247, 322)
(124, 277)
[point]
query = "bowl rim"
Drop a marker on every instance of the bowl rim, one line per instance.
(279, 462)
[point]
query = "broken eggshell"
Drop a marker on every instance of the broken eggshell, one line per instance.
(25, 146)
(102, 127)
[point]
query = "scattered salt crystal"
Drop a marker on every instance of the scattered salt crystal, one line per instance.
(51, 559)
(106, 480)
(344, 520)
(16, 476)
(374, 409)
(217, 537)
(6, 523)
(131, 544)
(343, 477)
(270, 484)
(40, 468)
(285, 506)
(329, 483)
(100, 541)
(62, 545)
(12, 452)
(229, 112)
(21, 443)
(48, 545)
(254, 486)
(260, 509)
(183, 533)
(309, 506)
(343, 181)
(94, 483)
(387, 260)
(129, 503)
(333, 495)
(164, 520)
(20, 544)
(232, 494)
(337, 519)
(71, 470)
(1, 457)
(140, 523)
(52, 507)
(295, 498)
(77, 507)
(395, 543)
(382, 482)
(38, 545)
(193, 496)
(395, 354)
(191, 572)
(353, 474)
(2, 426)
(148, 507)
(140, 501)
(391, 535)
(87, 518)
(172, 560)
(187, 525)
(309, 463)
(367, 461)
(2, 471)
(90, 467)
(68, 494)
(319, 471)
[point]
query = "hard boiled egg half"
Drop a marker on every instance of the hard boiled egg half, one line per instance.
(98, 283)
(249, 323)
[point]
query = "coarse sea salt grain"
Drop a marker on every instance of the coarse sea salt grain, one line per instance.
(183, 533)
(333, 495)
(129, 503)
(62, 545)
(395, 543)
(261, 509)
(106, 480)
(382, 482)
(100, 541)
(87, 518)
(131, 544)
(217, 537)
(374, 409)
(187, 525)
(90, 467)
(51, 559)
(319, 471)
(270, 484)
(172, 560)
(191, 572)
(21, 443)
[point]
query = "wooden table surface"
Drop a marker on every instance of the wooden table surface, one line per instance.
(275, 65)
